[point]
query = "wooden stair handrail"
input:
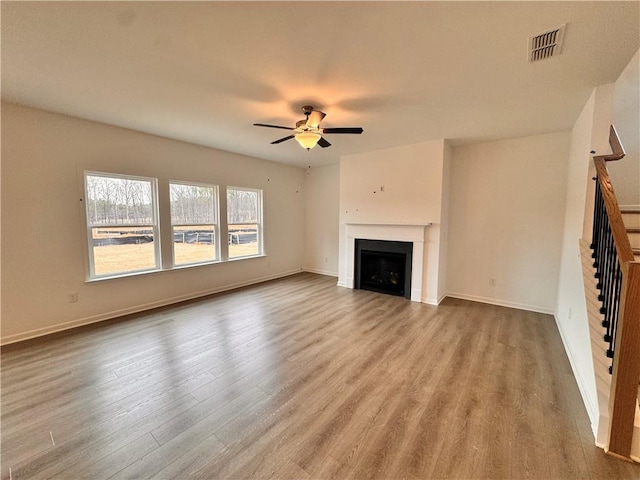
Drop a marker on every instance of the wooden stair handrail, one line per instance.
(619, 231)
(616, 147)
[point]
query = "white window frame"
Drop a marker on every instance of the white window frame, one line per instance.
(216, 223)
(259, 221)
(154, 226)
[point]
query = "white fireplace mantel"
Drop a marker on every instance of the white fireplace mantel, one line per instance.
(399, 233)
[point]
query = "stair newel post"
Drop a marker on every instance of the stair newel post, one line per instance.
(626, 367)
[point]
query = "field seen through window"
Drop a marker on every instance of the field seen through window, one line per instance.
(129, 257)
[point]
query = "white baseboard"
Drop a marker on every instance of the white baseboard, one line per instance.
(591, 404)
(39, 332)
(630, 207)
(321, 272)
(415, 295)
(434, 301)
(500, 303)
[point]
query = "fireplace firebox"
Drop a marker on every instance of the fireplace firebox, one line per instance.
(383, 266)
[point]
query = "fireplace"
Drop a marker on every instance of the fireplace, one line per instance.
(383, 266)
(413, 234)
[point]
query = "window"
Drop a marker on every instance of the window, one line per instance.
(122, 225)
(194, 223)
(244, 219)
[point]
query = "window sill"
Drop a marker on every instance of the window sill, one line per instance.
(122, 275)
(172, 269)
(245, 257)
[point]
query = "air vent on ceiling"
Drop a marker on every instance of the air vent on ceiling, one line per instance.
(547, 44)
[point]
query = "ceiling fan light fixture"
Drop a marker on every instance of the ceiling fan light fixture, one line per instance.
(307, 132)
(307, 140)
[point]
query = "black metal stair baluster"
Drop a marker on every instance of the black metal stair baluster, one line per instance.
(608, 289)
(596, 220)
(601, 249)
(608, 271)
(607, 274)
(606, 268)
(616, 311)
(602, 263)
(602, 213)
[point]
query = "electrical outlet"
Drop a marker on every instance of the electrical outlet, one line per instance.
(569, 313)
(326, 259)
(73, 297)
(492, 282)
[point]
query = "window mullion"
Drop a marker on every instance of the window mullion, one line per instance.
(164, 224)
(224, 226)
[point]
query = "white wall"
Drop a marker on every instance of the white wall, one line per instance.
(322, 194)
(571, 310)
(412, 181)
(396, 186)
(444, 222)
(43, 255)
(506, 217)
(625, 174)
(601, 120)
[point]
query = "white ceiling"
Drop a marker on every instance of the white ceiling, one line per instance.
(407, 72)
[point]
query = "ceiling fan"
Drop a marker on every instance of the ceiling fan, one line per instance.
(308, 132)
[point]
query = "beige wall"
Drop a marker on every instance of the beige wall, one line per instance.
(44, 254)
(322, 190)
(506, 214)
(412, 181)
(625, 174)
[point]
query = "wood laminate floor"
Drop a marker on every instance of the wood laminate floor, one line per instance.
(298, 378)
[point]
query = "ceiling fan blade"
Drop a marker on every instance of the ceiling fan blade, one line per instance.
(315, 118)
(323, 143)
(343, 130)
(283, 139)
(271, 126)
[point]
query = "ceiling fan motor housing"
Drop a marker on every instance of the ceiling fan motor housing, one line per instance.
(307, 109)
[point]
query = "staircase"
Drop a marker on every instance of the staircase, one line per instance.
(614, 302)
(631, 219)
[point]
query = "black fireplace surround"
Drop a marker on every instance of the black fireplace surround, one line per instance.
(383, 266)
